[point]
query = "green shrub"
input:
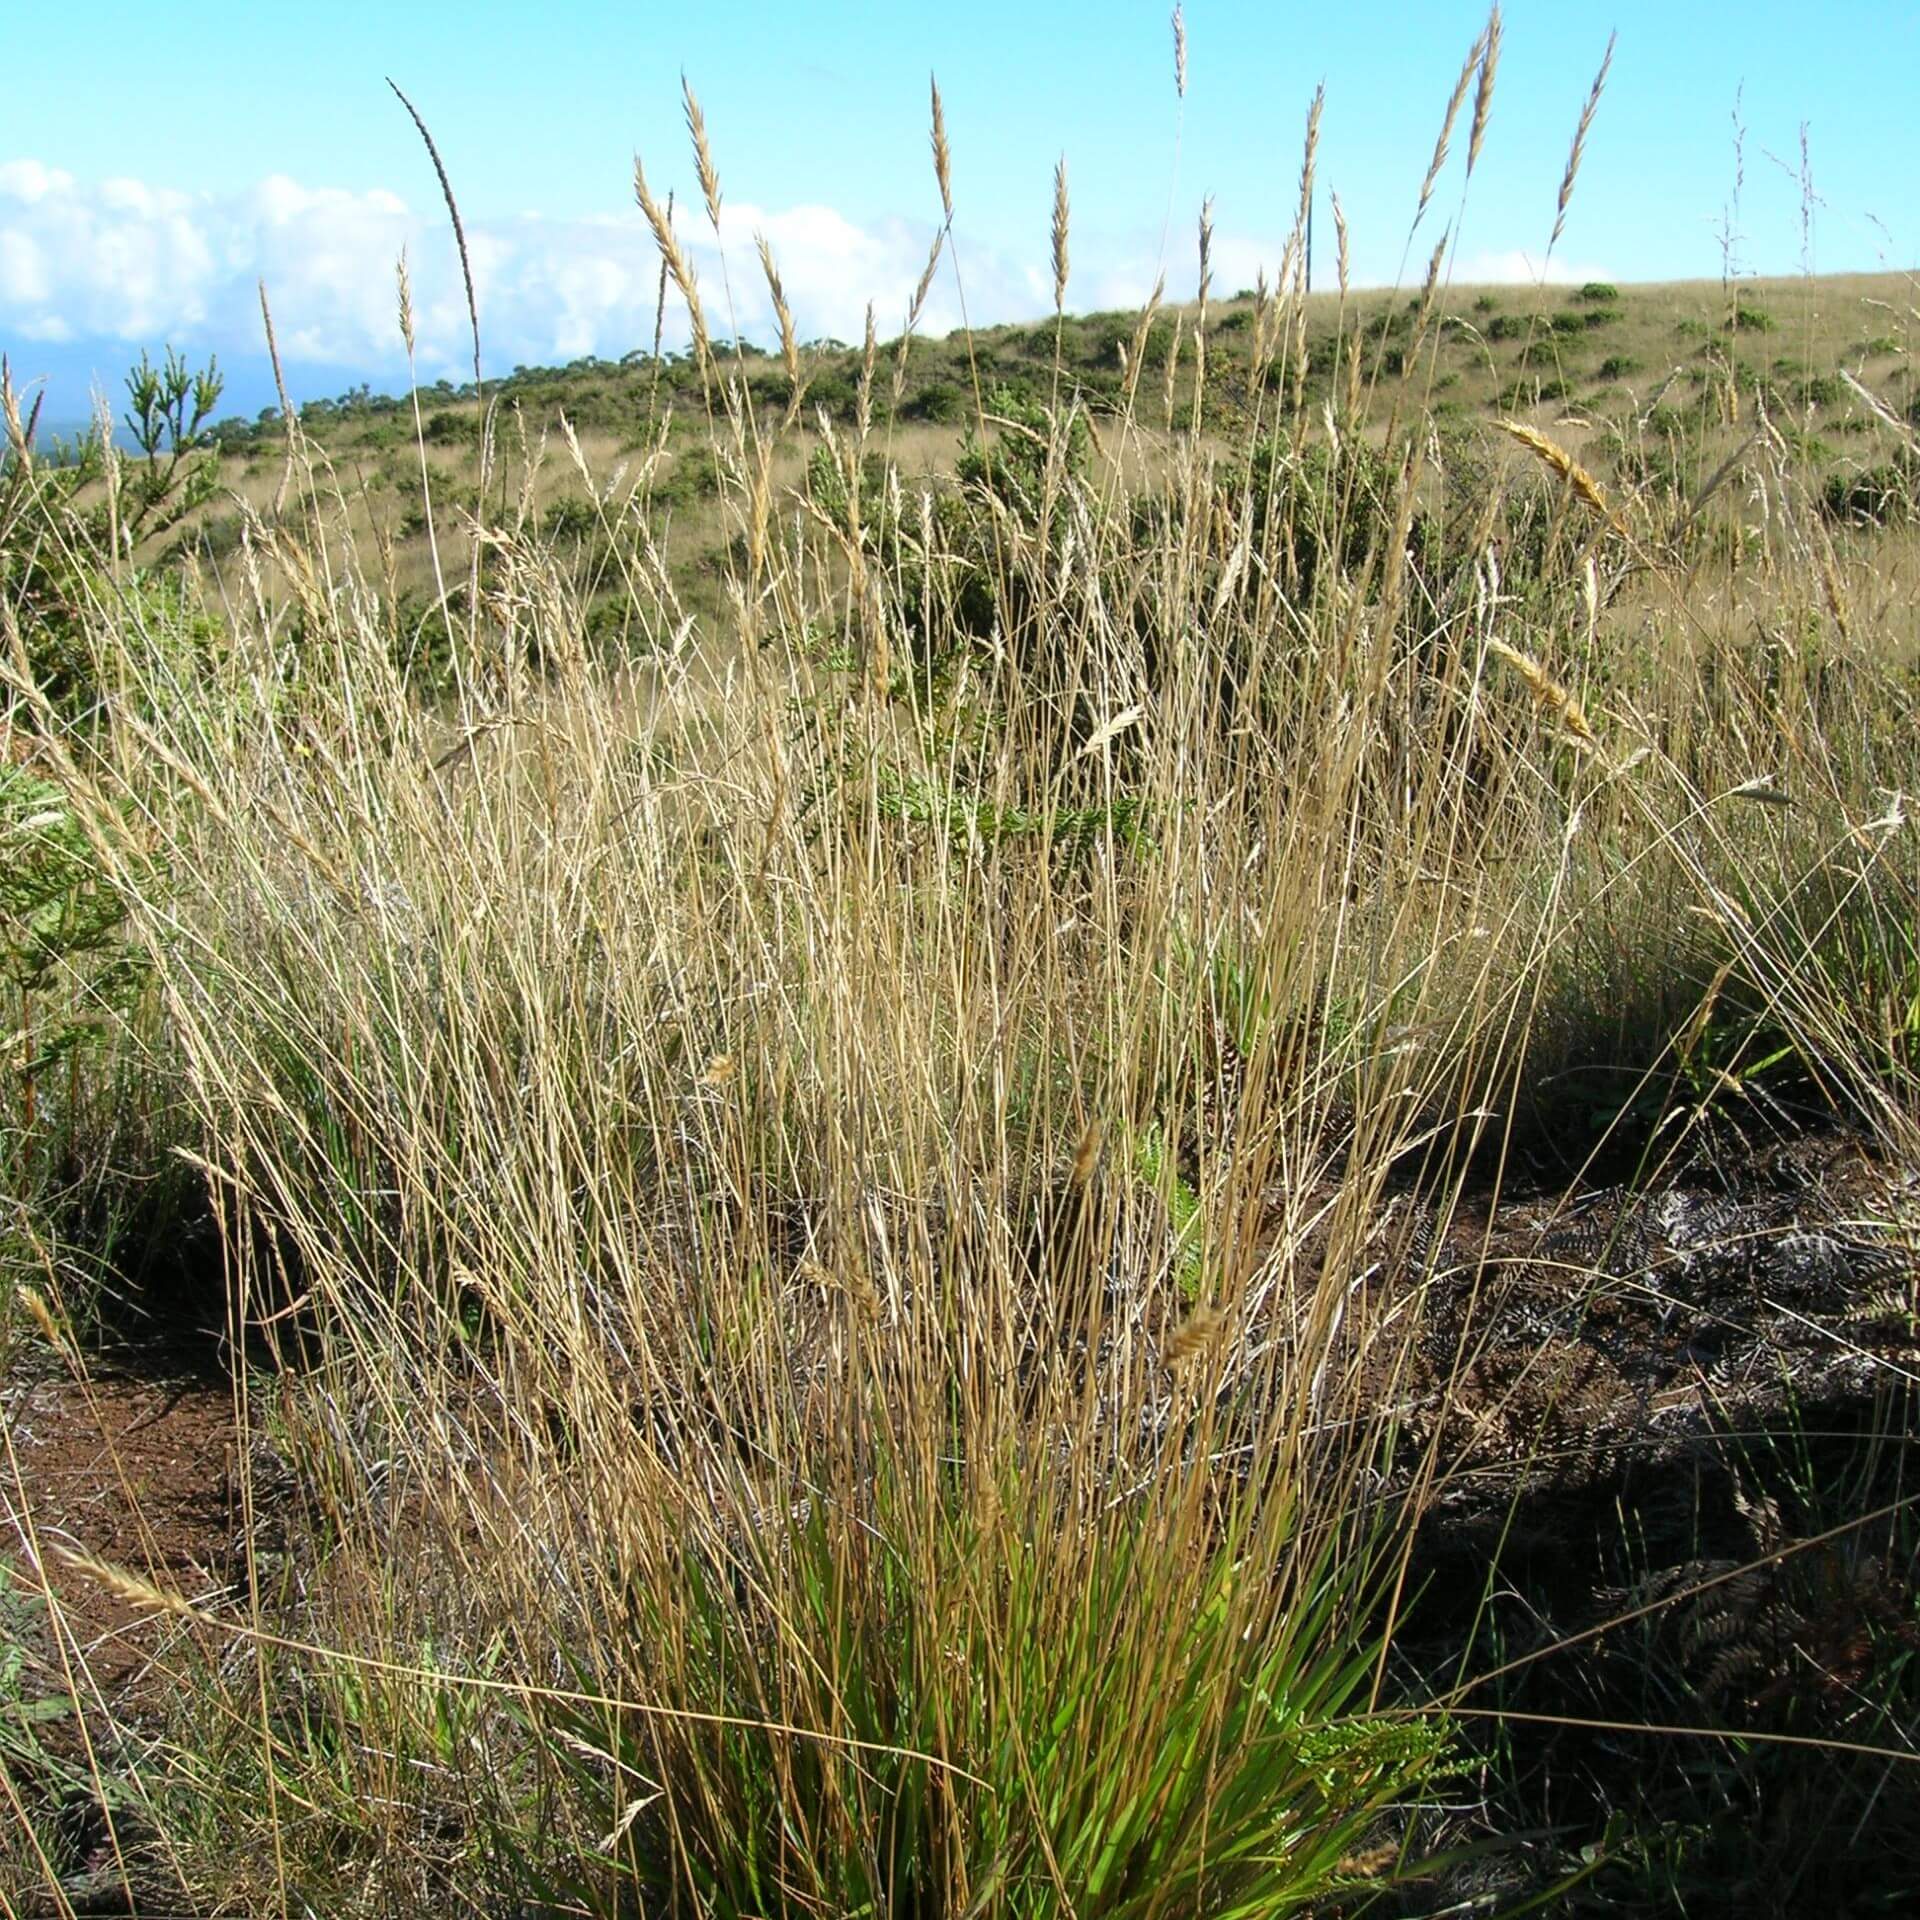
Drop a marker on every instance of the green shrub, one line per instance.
(444, 429)
(826, 485)
(1389, 324)
(1616, 366)
(37, 1719)
(693, 473)
(941, 608)
(233, 435)
(1236, 1783)
(1026, 455)
(1809, 446)
(939, 401)
(57, 594)
(214, 538)
(69, 969)
(835, 392)
(1881, 496)
(1317, 510)
(570, 519)
(1519, 394)
(1598, 293)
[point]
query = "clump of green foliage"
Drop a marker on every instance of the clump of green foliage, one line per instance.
(92, 511)
(1885, 495)
(169, 408)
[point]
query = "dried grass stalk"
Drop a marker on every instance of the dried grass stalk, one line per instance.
(674, 258)
(707, 173)
(1483, 93)
(1206, 257)
(1142, 329)
(1551, 454)
(782, 313)
(942, 153)
(453, 214)
(130, 1587)
(286, 405)
(1303, 211)
(1086, 1156)
(1548, 693)
(1061, 262)
(1579, 144)
(1455, 100)
(1193, 1337)
(404, 291)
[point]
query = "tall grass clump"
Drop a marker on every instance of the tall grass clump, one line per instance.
(806, 1210)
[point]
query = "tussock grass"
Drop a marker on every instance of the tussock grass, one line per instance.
(801, 1211)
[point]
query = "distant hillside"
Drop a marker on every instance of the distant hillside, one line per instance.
(1491, 349)
(1650, 385)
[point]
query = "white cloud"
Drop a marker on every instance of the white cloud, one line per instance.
(23, 270)
(141, 263)
(28, 180)
(132, 261)
(1515, 266)
(117, 258)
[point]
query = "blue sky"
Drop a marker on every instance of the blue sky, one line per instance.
(168, 165)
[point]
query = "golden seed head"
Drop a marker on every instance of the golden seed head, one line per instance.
(130, 1587)
(1579, 144)
(942, 153)
(1547, 692)
(1483, 93)
(1194, 1335)
(672, 257)
(42, 1317)
(703, 166)
(406, 301)
(1309, 153)
(1551, 454)
(1086, 1156)
(1455, 100)
(1060, 210)
(782, 313)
